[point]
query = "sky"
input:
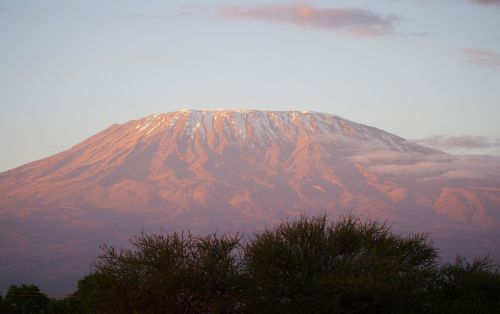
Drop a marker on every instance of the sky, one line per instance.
(426, 70)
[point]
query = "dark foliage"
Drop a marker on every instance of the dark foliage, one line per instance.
(314, 266)
(310, 265)
(69, 305)
(177, 273)
(25, 299)
(465, 287)
(3, 305)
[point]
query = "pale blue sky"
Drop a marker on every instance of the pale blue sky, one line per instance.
(68, 69)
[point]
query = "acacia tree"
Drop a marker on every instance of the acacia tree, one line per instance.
(68, 305)
(310, 265)
(25, 299)
(3, 306)
(348, 266)
(464, 287)
(176, 273)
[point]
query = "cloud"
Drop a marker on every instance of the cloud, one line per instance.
(481, 57)
(382, 156)
(353, 21)
(422, 168)
(459, 142)
(473, 167)
(486, 2)
(429, 166)
(388, 162)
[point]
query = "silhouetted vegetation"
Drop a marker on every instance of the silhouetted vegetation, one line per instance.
(24, 299)
(310, 265)
(465, 287)
(176, 273)
(68, 305)
(27, 299)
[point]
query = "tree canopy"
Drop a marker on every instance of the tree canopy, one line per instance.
(309, 265)
(348, 266)
(24, 299)
(177, 273)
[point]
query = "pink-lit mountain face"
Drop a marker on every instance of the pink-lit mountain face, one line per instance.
(234, 170)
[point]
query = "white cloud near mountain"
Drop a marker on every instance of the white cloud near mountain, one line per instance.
(429, 166)
(460, 142)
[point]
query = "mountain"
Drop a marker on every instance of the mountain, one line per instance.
(234, 170)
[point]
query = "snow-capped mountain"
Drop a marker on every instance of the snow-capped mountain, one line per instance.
(234, 170)
(260, 128)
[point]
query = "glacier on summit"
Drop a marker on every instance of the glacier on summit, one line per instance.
(264, 127)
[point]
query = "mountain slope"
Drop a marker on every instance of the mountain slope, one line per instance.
(193, 148)
(231, 170)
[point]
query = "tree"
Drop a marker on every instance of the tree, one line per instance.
(177, 273)
(310, 265)
(465, 287)
(25, 299)
(314, 266)
(68, 305)
(3, 305)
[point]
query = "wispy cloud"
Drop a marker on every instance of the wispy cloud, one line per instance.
(459, 142)
(353, 21)
(481, 57)
(463, 167)
(486, 2)
(430, 167)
